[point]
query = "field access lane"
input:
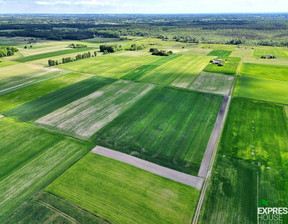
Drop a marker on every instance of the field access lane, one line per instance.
(177, 176)
(213, 138)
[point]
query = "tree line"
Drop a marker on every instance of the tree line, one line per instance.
(70, 59)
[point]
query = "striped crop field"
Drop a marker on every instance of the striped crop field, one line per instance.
(46, 104)
(213, 83)
(83, 117)
(117, 192)
(33, 92)
(30, 159)
(190, 69)
(168, 127)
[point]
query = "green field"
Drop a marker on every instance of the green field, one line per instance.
(17, 74)
(179, 72)
(265, 71)
(263, 51)
(168, 127)
(48, 55)
(24, 95)
(213, 83)
(262, 89)
(220, 53)
(46, 104)
(230, 67)
(48, 208)
(138, 72)
(118, 192)
(30, 159)
(286, 110)
(6, 63)
(111, 66)
(83, 117)
(189, 70)
(253, 149)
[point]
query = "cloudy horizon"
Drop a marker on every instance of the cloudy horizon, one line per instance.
(137, 6)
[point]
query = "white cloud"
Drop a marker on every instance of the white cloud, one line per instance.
(94, 3)
(77, 3)
(53, 3)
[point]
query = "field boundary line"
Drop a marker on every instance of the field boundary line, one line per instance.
(165, 172)
(207, 179)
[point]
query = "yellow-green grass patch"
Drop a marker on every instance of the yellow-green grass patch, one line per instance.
(262, 89)
(121, 193)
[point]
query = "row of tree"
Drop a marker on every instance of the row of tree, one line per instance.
(70, 59)
(110, 48)
(157, 52)
(7, 51)
(77, 45)
(135, 47)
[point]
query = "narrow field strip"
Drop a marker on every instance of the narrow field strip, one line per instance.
(52, 54)
(83, 117)
(174, 175)
(21, 96)
(46, 104)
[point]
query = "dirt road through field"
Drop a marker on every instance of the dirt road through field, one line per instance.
(209, 150)
(177, 176)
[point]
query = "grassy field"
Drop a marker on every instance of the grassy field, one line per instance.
(179, 72)
(117, 192)
(19, 73)
(189, 70)
(83, 117)
(48, 103)
(168, 127)
(48, 55)
(220, 53)
(111, 66)
(7, 63)
(262, 89)
(265, 71)
(138, 72)
(48, 208)
(30, 159)
(286, 110)
(230, 67)
(253, 149)
(213, 83)
(263, 51)
(24, 95)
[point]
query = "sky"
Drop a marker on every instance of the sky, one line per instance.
(142, 6)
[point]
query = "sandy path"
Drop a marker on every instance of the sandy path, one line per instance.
(174, 175)
(212, 141)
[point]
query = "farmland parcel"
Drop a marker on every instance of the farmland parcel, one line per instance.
(118, 192)
(168, 127)
(83, 117)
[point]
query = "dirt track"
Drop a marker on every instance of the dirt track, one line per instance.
(209, 150)
(177, 176)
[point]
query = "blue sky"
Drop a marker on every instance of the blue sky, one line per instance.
(142, 6)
